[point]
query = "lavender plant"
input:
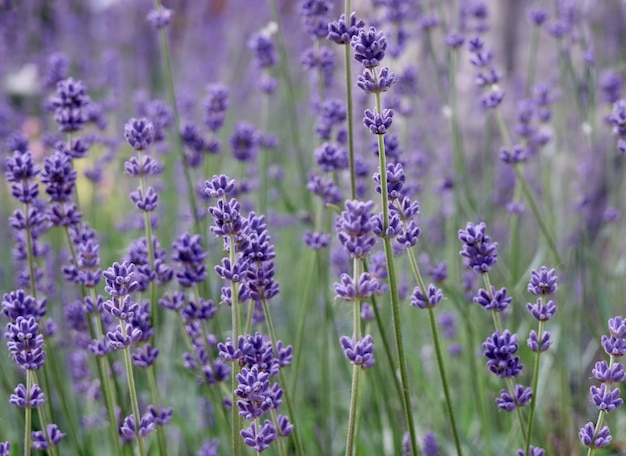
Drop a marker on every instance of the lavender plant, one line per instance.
(119, 126)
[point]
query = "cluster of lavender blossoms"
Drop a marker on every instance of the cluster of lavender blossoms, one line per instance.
(249, 269)
(606, 397)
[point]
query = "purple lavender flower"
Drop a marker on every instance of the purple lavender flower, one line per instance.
(617, 327)
(543, 281)
(245, 141)
(500, 349)
(521, 396)
(517, 154)
(36, 397)
(59, 177)
(139, 133)
(430, 447)
(478, 250)
(209, 448)
(330, 157)
(325, 189)
(360, 353)
(589, 438)
(378, 124)
(434, 297)
(39, 438)
(498, 303)
(190, 255)
(537, 345)
(605, 398)
(361, 289)
(382, 82)
(342, 31)
(537, 16)
(354, 228)
(264, 49)
(120, 279)
(5, 448)
(19, 304)
(25, 344)
(20, 171)
(57, 69)
(316, 241)
(533, 451)
(613, 374)
(128, 428)
(69, 103)
(159, 18)
(259, 439)
(369, 47)
(215, 106)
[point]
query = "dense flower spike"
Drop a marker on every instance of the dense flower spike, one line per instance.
(139, 133)
(69, 104)
(354, 227)
(369, 47)
(478, 250)
(342, 31)
(499, 349)
(361, 352)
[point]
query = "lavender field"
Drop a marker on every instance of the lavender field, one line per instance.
(312, 227)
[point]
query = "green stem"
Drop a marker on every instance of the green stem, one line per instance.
(349, 111)
(393, 287)
(291, 106)
(28, 415)
(171, 93)
(154, 393)
(437, 344)
(132, 390)
(235, 419)
(356, 372)
(534, 43)
(283, 380)
(535, 385)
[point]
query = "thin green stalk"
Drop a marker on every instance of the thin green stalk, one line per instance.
(393, 286)
(534, 43)
(235, 419)
(43, 421)
(526, 190)
(171, 93)
(356, 372)
(291, 105)
(154, 394)
(437, 344)
(28, 415)
(132, 390)
(349, 109)
(283, 380)
(591, 451)
(535, 385)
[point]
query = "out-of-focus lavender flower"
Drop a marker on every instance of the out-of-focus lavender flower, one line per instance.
(330, 157)
(25, 344)
(59, 177)
(54, 434)
(19, 304)
(430, 447)
(316, 241)
(20, 171)
(324, 188)
(537, 16)
(360, 353)
(264, 49)
(610, 86)
(259, 439)
(245, 141)
(591, 439)
(369, 47)
(215, 106)
(533, 451)
(57, 69)
(159, 18)
(209, 448)
(69, 104)
(314, 14)
(5, 448)
(478, 250)
(190, 255)
(517, 154)
(454, 39)
(139, 133)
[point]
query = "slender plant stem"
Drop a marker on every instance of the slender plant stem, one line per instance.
(171, 93)
(393, 287)
(283, 380)
(532, 60)
(291, 105)
(356, 372)
(27, 415)
(437, 344)
(154, 393)
(235, 419)
(132, 390)
(349, 107)
(535, 385)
